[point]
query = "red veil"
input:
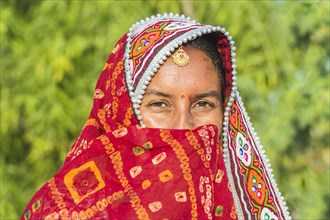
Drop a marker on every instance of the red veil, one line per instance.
(118, 169)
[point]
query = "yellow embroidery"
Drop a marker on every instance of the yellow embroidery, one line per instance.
(219, 176)
(52, 216)
(135, 171)
(102, 116)
(58, 198)
(159, 158)
(186, 171)
(128, 115)
(180, 196)
(107, 85)
(165, 176)
(99, 206)
(68, 180)
(118, 70)
(146, 184)
(117, 162)
(155, 206)
(120, 132)
(91, 122)
(194, 142)
(117, 48)
(98, 94)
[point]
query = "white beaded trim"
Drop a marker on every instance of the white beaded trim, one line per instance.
(137, 94)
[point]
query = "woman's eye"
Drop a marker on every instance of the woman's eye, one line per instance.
(158, 104)
(203, 105)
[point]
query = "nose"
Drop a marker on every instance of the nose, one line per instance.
(183, 120)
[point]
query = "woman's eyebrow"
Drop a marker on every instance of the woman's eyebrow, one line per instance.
(157, 93)
(208, 94)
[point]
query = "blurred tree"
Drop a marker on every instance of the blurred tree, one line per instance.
(53, 51)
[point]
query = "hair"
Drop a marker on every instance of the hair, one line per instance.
(208, 44)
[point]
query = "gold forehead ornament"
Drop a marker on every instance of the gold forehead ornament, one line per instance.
(180, 57)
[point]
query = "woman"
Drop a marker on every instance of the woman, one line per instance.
(151, 146)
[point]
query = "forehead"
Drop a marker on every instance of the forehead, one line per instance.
(198, 75)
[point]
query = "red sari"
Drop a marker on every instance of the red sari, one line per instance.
(117, 169)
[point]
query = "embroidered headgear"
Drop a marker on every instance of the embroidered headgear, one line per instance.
(149, 44)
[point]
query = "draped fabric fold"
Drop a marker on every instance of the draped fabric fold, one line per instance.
(118, 169)
(140, 173)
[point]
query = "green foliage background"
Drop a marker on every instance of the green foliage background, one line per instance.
(52, 53)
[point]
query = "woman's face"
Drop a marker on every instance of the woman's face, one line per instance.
(184, 97)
